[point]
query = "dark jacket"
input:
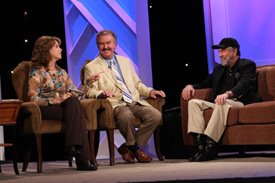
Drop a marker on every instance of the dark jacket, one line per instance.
(244, 81)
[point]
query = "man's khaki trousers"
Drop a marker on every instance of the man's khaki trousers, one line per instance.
(217, 122)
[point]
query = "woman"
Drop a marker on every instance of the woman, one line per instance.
(51, 87)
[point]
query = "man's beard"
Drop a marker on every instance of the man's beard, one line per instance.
(225, 62)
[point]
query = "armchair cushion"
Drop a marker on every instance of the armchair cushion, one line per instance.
(20, 80)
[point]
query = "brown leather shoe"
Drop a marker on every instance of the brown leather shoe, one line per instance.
(127, 155)
(142, 157)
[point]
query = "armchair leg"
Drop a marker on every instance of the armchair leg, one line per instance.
(27, 153)
(70, 161)
(97, 138)
(39, 153)
(92, 145)
(110, 136)
(157, 143)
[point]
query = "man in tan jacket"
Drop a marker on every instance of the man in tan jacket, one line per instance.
(119, 83)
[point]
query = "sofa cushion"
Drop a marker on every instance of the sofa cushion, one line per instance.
(233, 116)
(266, 82)
(258, 113)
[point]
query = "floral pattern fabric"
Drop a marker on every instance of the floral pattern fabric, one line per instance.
(49, 88)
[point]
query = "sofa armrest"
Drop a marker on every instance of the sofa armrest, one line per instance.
(204, 94)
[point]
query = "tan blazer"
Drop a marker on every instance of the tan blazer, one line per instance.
(108, 82)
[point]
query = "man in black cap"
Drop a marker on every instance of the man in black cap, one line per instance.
(233, 83)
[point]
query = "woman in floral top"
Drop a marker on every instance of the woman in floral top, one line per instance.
(50, 86)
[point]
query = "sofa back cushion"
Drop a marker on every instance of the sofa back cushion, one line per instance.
(266, 82)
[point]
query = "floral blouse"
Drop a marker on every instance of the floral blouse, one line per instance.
(46, 88)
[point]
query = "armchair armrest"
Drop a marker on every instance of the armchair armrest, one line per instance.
(157, 103)
(105, 115)
(32, 119)
(90, 107)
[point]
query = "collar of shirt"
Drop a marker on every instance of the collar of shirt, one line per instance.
(108, 62)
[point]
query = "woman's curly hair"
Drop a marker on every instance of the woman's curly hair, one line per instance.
(40, 54)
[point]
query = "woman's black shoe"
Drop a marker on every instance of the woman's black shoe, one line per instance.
(74, 151)
(85, 166)
(81, 163)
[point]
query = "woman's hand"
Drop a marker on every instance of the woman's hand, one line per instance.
(96, 76)
(67, 95)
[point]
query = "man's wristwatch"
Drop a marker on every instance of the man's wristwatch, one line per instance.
(229, 93)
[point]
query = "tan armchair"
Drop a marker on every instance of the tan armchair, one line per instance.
(106, 116)
(253, 124)
(33, 124)
(106, 123)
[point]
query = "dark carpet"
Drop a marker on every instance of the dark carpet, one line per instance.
(227, 180)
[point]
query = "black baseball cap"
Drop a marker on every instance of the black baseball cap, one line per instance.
(227, 42)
